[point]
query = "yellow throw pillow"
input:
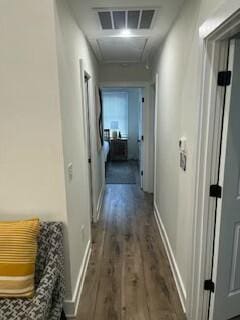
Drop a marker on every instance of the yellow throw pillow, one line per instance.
(18, 250)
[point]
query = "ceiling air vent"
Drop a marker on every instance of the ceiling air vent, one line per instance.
(146, 19)
(133, 19)
(105, 19)
(115, 19)
(119, 19)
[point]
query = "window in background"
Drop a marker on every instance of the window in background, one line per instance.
(115, 111)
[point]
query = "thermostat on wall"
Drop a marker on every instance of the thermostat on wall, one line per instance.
(183, 144)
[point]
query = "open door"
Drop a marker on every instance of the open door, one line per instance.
(225, 300)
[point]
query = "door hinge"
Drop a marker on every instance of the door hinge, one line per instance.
(215, 191)
(142, 173)
(143, 100)
(89, 160)
(63, 315)
(142, 137)
(209, 285)
(224, 78)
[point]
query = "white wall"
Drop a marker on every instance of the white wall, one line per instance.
(31, 161)
(178, 63)
(115, 72)
(71, 47)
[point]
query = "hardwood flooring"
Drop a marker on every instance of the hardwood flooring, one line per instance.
(128, 276)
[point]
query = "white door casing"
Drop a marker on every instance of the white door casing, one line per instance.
(220, 26)
(84, 83)
(141, 139)
(89, 147)
(225, 302)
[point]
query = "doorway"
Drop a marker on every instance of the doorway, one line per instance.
(88, 140)
(122, 118)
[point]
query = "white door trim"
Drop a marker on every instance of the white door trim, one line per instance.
(220, 26)
(155, 134)
(87, 137)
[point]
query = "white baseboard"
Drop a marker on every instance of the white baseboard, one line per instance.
(71, 306)
(100, 202)
(173, 264)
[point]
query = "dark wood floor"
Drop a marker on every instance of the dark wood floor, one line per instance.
(128, 277)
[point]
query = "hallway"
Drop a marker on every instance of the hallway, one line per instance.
(128, 276)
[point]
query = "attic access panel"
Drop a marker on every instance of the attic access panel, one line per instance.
(115, 19)
(126, 50)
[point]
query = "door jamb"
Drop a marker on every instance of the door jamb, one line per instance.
(83, 74)
(89, 140)
(214, 48)
(155, 134)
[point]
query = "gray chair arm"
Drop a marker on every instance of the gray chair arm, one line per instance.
(42, 301)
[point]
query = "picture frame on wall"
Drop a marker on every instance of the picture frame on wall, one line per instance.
(99, 118)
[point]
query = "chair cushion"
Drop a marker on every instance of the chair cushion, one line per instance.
(18, 250)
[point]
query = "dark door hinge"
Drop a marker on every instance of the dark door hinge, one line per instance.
(224, 78)
(63, 316)
(215, 191)
(143, 100)
(142, 173)
(89, 160)
(142, 137)
(209, 285)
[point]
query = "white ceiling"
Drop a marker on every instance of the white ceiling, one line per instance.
(124, 50)
(108, 45)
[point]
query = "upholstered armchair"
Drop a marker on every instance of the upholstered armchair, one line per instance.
(47, 302)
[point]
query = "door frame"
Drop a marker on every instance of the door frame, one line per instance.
(153, 90)
(88, 138)
(141, 137)
(156, 82)
(146, 143)
(214, 35)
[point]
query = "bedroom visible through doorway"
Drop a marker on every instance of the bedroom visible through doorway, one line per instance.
(122, 118)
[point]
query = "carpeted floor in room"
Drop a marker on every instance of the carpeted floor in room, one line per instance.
(122, 172)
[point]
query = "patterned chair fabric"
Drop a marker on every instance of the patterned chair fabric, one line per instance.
(49, 280)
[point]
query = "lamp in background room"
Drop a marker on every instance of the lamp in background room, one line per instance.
(114, 128)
